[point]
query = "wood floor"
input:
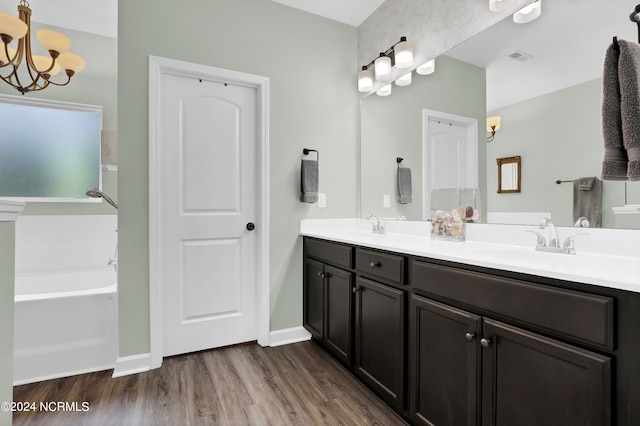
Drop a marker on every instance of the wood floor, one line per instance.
(296, 384)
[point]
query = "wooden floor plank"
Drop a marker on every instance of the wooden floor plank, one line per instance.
(298, 384)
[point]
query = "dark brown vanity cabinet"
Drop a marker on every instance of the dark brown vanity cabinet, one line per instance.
(327, 296)
(379, 336)
(380, 324)
(447, 343)
(468, 369)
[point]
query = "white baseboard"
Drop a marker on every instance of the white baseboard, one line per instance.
(132, 364)
(288, 335)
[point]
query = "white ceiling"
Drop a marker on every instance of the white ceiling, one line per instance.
(567, 45)
(352, 12)
(567, 42)
(92, 16)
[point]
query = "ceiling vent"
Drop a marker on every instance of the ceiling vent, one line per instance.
(520, 56)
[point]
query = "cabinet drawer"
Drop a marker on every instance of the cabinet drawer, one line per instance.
(336, 253)
(382, 265)
(583, 316)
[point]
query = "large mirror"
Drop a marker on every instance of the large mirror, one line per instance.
(544, 80)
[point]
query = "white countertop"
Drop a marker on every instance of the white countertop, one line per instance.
(606, 258)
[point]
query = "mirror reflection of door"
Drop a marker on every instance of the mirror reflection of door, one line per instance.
(509, 174)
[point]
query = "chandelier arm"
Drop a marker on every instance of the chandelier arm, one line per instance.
(60, 84)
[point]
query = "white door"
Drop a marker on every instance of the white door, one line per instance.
(207, 151)
(450, 153)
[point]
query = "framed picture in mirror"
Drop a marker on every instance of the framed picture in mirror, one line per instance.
(509, 174)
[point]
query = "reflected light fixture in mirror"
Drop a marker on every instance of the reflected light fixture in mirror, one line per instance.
(493, 125)
(427, 68)
(37, 70)
(405, 80)
(499, 5)
(528, 13)
(384, 91)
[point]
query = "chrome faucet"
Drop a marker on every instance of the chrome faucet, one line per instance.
(553, 244)
(554, 239)
(377, 227)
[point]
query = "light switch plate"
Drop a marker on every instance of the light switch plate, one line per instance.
(386, 201)
(322, 200)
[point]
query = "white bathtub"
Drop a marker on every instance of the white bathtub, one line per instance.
(66, 323)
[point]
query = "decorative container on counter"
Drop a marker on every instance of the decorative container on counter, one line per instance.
(451, 209)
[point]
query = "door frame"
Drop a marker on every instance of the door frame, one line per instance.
(157, 67)
(472, 151)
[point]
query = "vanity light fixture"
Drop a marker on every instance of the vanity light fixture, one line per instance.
(382, 67)
(427, 68)
(38, 69)
(493, 125)
(365, 80)
(500, 5)
(528, 13)
(399, 55)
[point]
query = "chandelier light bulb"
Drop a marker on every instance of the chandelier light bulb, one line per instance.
(24, 71)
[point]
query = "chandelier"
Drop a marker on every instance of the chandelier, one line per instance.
(38, 69)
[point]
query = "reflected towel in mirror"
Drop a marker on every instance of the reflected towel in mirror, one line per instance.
(587, 200)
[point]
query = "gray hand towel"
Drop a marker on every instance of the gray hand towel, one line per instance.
(309, 181)
(614, 162)
(404, 185)
(629, 76)
(587, 200)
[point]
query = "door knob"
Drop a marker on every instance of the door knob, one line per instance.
(251, 226)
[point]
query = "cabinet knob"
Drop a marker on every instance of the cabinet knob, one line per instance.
(355, 289)
(485, 342)
(375, 264)
(321, 274)
(469, 337)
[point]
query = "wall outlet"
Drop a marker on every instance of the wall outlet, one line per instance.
(322, 200)
(386, 201)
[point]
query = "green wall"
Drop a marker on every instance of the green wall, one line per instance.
(97, 84)
(392, 127)
(7, 267)
(311, 63)
(559, 137)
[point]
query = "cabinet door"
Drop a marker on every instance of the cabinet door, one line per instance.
(338, 315)
(533, 380)
(444, 364)
(379, 360)
(313, 298)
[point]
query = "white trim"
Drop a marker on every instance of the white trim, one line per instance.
(472, 155)
(10, 210)
(157, 67)
(132, 364)
(289, 335)
(627, 209)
